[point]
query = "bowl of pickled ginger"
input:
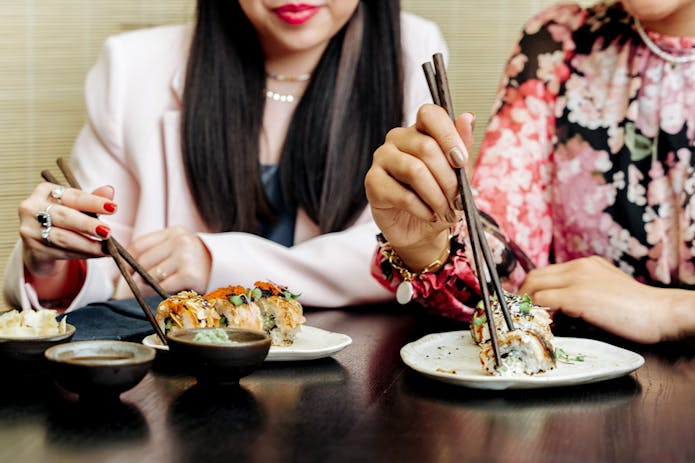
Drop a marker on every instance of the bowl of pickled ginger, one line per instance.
(25, 335)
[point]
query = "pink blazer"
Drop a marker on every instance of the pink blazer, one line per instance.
(132, 141)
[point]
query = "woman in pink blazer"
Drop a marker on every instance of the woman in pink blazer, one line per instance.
(229, 152)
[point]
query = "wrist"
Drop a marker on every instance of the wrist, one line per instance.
(62, 286)
(426, 257)
(679, 321)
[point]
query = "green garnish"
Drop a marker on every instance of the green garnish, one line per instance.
(479, 321)
(561, 354)
(525, 304)
(255, 294)
(290, 295)
(236, 299)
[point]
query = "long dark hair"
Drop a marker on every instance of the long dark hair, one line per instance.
(355, 96)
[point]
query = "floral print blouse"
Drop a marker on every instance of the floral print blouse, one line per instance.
(589, 151)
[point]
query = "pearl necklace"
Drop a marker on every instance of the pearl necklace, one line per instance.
(281, 97)
(654, 48)
(284, 97)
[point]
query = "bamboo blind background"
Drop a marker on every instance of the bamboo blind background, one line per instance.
(47, 47)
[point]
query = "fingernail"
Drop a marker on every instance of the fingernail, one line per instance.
(103, 231)
(110, 207)
(458, 203)
(456, 157)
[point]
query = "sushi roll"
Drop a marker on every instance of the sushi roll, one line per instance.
(282, 314)
(236, 308)
(185, 310)
(521, 352)
(525, 315)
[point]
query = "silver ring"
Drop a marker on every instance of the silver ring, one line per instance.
(57, 192)
(45, 234)
(44, 217)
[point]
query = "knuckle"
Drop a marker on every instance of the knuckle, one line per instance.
(369, 181)
(26, 207)
(373, 180)
(428, 147)
(43, 188)
(25, 230)
(395, 133)
(427, 111)
(181, 240)
(407, 201)
(415, 170)
(178, 231)
(57, 239)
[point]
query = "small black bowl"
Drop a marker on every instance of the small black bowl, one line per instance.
(99, 369)
(219, 364)
(24, 355)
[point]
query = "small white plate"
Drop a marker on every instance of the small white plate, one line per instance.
(453, 357)
(310, 343)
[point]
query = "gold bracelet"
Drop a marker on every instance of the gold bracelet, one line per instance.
(407, 274)
(404, 292)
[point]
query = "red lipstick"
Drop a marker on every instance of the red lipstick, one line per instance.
(296, 13)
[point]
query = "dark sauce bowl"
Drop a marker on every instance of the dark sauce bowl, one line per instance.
(99, 369)
(215, 363)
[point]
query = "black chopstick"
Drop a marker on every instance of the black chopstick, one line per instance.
(119, 254)
(484, 264)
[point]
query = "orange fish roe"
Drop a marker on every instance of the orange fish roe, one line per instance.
(224, 293)
(268, 287)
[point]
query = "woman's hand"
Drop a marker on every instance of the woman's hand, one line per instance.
(595, 290)
(175, 257)
(412, 187)
(72, 233)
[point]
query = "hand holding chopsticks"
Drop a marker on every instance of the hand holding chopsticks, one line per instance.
(484, 264)
(120, 256)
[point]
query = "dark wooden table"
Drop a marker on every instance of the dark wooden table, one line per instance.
(363, 404)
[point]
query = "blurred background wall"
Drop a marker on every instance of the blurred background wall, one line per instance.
(47, 47)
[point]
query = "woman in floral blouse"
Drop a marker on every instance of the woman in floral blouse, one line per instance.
(587, 166)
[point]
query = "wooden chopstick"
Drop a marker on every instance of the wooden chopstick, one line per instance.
(120, 262)
(484, 264)
(119, 254)
(72, 181)
(431, 82)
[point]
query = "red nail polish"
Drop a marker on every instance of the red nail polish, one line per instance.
(110, 207)
(103, 231)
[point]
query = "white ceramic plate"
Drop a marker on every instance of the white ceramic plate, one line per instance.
(310, 343)
(453, 357)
